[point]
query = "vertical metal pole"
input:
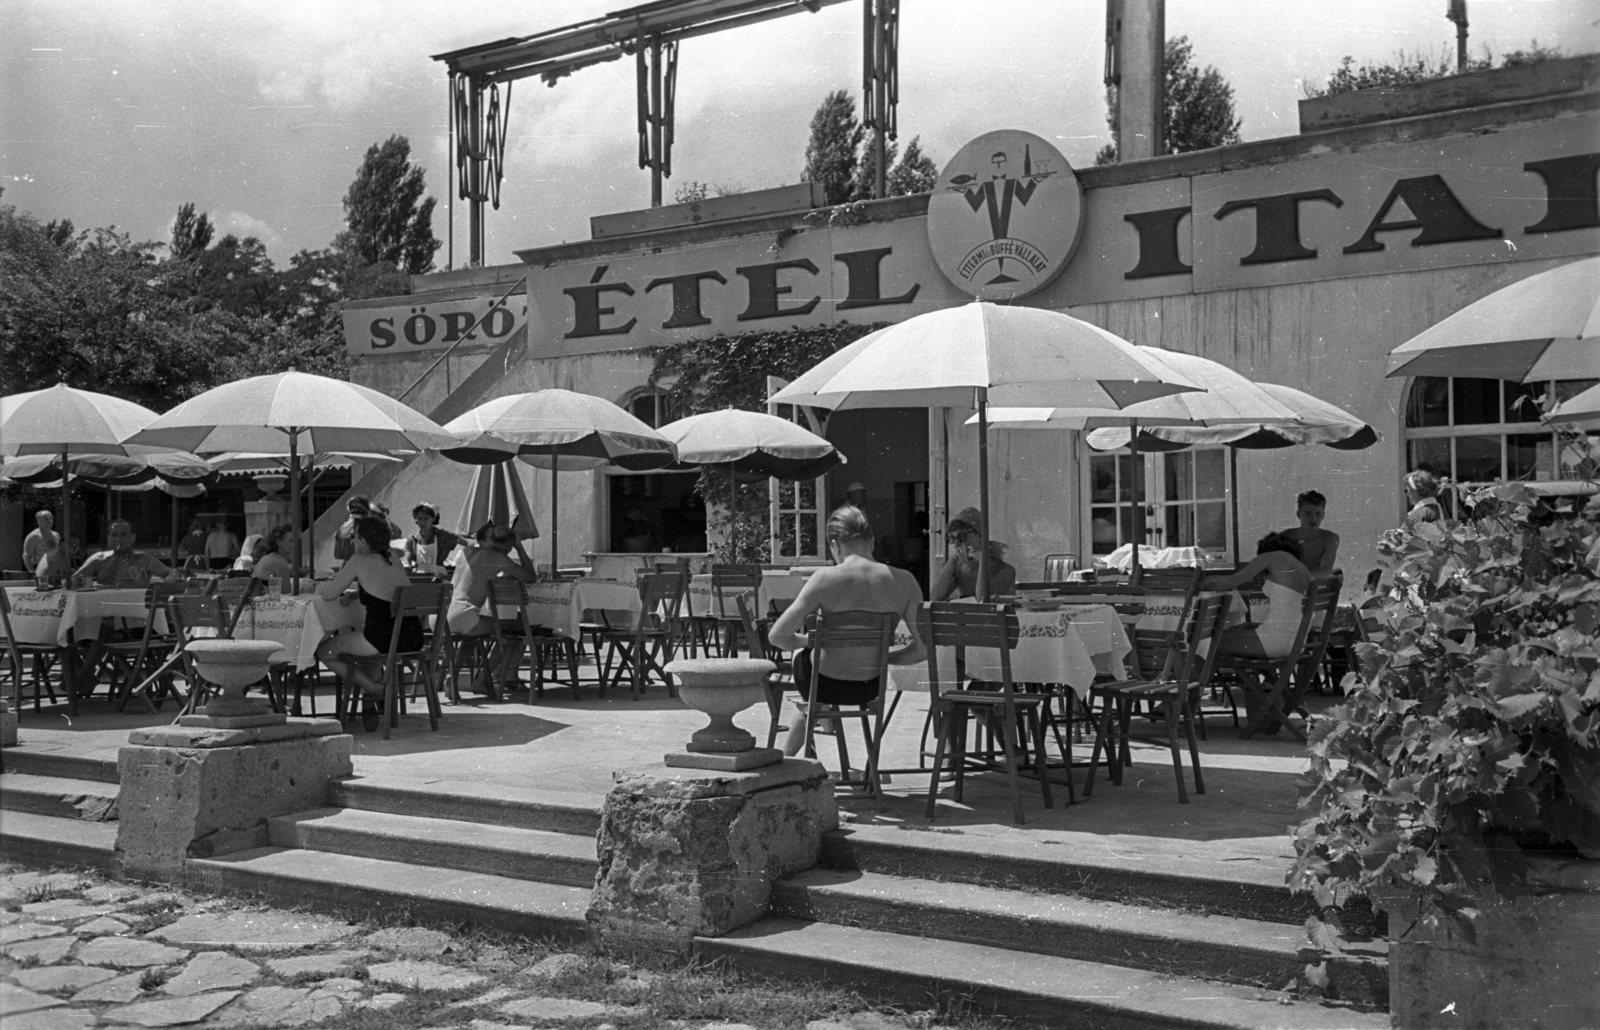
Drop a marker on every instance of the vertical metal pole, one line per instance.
(1138, 501)
(294, 504)
(66, 509)
(880, 98)
(983, 491)
(475, 245)
(655, 121)
(555, 486)
(450, 175)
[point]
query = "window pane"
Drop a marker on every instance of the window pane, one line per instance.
(1211, 526)
(808, 535)
(1103, 530)
(1179, 477)
(1180, 526)
(1530, 456)
(1522, 401)
(1429, 455)
(1567, 389)
(1102, 479)
(786, 495)
(1127, 468)
(786, 536)
(1477, 459)
(808, 494)
(1477, 401)
(1429, 402)
(1211, 474)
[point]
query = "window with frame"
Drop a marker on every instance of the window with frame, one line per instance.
(652, 407)
(1483, 430)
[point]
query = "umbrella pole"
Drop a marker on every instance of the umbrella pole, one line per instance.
(175, 533)
(311, 512)
(1233, 497)
(1138, 501)
(294, 506)
(983, 491)
(555, 485)
(66, 508)
(733, 515)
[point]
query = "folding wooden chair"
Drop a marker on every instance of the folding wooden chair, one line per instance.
(961, 626)
(44, 657)
(1185, 673)
(1273, 686)
(196, 616)
(1057, 567)
(649, 644)
(424, 601)
(782, 678)
(131, 660)
(863, 640)
(727, 581)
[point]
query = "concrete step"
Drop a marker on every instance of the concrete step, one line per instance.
(1234, 878)
(59, 796)
(46, 841)
(1248, 952)
(549, 810)
(351, 884)
(562, 858)
(47, 760)
(1048, 989)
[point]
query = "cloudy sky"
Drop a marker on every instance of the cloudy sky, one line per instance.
(117, 111)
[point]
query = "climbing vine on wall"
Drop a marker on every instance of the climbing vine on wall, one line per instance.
(730, 370)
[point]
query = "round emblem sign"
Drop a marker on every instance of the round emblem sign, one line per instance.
(1005, 215)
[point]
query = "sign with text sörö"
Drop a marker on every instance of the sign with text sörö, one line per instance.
(1005, 216)
(432, 321)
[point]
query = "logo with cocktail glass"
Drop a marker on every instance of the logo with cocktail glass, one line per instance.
(1005, 216)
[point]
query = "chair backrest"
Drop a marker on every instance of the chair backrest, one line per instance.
(727, 579)
(1322, 600)
(191, 612)
(777, 606)
(659, 597)
(422, 600)
(505, 592)
(16, 575)
(755, 637)
(1371, 627)
(1127, 600)
(961, 625)
(1155, 652)
(1170, 581)
(860, 638)
(11, 641)
(1210, 613)
(1057, 566)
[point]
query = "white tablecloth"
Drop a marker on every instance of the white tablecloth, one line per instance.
(559, 604)
(1068, 646)
(50, 616)
(298, 623)
(775, 585)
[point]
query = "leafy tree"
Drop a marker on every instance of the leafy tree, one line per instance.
(191, 233)
(1405, 68)
(1199, 111)
(387, 217)
(836, 136)
(915, 172)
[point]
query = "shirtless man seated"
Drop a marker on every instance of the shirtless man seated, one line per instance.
(1319, 547)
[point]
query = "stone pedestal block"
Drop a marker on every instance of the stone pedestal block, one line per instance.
(263, 516)
(1531, 963)
(689, 852)
(200, 792)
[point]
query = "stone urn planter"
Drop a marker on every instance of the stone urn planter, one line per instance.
(232, 666)
(722, 688)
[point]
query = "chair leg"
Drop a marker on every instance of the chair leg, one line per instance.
(844, 752)
(1008, 733)
(1102, 740)
(1171, 709)
(941, 734)
(1194, 749)
(1036, 717)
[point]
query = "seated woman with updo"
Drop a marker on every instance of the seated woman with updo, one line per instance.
(354, 654)
(1287, 580)
(854, 583)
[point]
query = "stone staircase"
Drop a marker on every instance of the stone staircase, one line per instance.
(1058, 929)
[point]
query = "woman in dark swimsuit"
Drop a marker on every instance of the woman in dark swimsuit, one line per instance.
(376, 577)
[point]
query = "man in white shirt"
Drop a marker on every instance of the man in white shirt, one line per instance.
(36, 543)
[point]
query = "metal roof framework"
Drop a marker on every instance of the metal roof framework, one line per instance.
(650, 33)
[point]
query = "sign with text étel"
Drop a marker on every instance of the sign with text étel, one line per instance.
(1520, 193)
(429, 322)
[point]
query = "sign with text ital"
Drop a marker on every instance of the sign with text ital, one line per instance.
(1005, 216)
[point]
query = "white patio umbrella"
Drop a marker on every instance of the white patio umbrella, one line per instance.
(559, 430)
(754, 442)
(982, 353)
(1230, 404)
(1580, 409)
(496, 496)
(67, 423)
(296, 412)
(1541, 327)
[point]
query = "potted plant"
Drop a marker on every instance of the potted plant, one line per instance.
(1458, 785)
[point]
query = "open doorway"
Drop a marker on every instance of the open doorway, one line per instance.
(655, 511)
(887, 450)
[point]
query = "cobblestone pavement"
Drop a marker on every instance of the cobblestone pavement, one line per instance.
(79, 951)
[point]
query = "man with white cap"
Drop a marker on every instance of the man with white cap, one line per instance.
(855, 494)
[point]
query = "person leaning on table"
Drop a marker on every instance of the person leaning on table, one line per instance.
(854, 582)
(271, 563)
(1285, 584)
(122, 566)
(958, 577)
